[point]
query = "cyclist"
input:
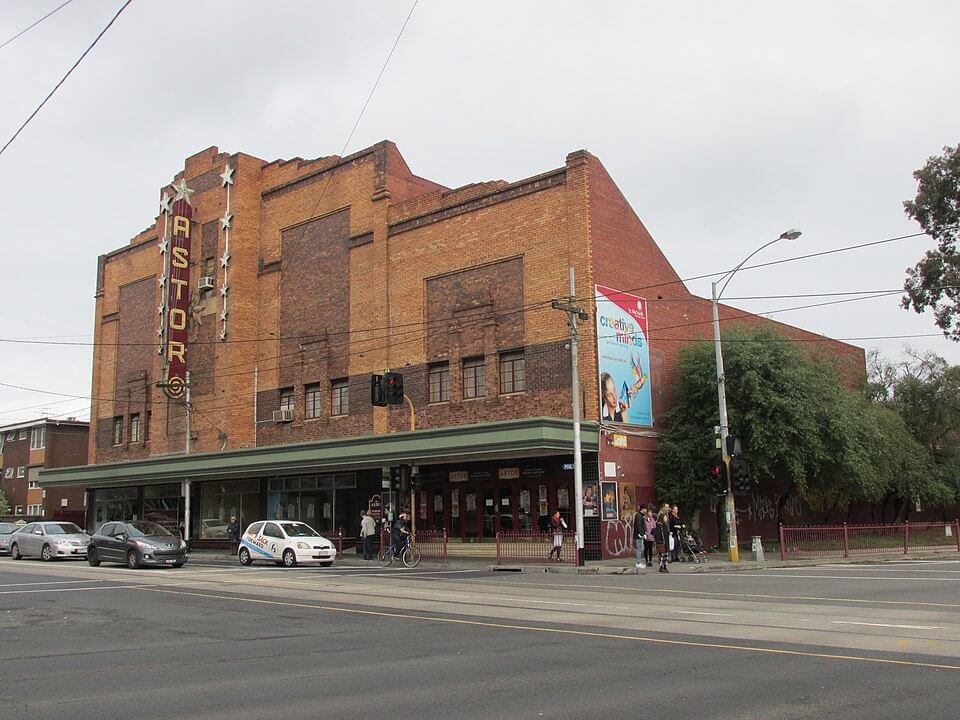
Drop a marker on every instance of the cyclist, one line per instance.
(401, 535)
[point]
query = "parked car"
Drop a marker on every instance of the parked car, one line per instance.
(6, 532)
(285, 543)
(136, 543)
(49, 540)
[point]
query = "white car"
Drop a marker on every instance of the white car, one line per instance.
(285, 542)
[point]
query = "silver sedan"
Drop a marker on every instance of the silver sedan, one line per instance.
(49, 540)
(6, 532)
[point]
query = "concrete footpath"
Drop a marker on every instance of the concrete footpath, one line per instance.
(715, 563)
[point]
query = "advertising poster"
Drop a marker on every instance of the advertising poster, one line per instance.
(589, 499)
(624, 358)
(608, 499)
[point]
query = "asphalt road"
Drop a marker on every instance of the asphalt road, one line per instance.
(218, 641)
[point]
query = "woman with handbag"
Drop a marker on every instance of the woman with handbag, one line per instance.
(661, 536)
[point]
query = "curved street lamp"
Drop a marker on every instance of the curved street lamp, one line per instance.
(791, 234)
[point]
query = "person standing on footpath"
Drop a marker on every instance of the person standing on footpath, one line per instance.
(233, 534)
(661, 536)
(650, 524)
(368, 528)
(677, 528)
(639, 531)
(557, 526)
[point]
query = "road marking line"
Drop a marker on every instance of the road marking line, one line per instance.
(59, 590)
(52, 582)
(558, 631)
(838, 577)
(902, 627)
(707, 593)
(694, 612)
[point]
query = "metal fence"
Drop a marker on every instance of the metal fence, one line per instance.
(858, 540)
(535, 547)
(432, 545)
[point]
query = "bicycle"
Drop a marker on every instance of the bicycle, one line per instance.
(410, 557)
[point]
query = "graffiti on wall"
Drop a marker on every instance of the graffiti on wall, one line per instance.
(760, 506)
(618, 538)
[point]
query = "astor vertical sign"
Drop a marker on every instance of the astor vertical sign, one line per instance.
(178, 292)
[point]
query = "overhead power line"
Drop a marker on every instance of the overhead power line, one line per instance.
(64, 78)
(30, 27)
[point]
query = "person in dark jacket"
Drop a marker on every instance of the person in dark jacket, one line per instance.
(676, 529)
(639, 528)
(233, 534)
(661, 536)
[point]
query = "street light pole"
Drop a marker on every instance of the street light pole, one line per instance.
(731, 511)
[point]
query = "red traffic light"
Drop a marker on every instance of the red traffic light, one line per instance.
(717, 469)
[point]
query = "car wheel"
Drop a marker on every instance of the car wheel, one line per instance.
(15, 552)
(133, 562)
(178, 565)
(92, 557)
(326, 564)
(244, 557)
(46, 553)
(289, 558)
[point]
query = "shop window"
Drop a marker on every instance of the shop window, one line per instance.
(161, 504)
(219, 500)
(512, 372)
(38, 438)
(115, 505)
(286, 399)
(135, 428)
(340, 397)
(474, 385)
(311, 400)
(439, 376)
(118, 430)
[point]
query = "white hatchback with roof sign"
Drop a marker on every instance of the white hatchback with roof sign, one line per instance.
(285, 542)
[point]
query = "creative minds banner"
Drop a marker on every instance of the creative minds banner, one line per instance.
(624, 358)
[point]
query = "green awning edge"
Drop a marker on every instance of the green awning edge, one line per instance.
(535, 436)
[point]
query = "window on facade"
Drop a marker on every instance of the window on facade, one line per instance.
(118, 430)
(23, 435)
(21, 471)
(38, 437)
(340, 398)
(474, 384)
(439, 376)
(286, 399)
(8, 473)
(34, 509)
(512, 372)
(34, 485)
(311, 400)
(11, 436)
(135, 428)
(18, 510)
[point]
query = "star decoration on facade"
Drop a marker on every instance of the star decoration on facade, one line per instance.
(166, 203)
(163, 245)
(226, 220)
(162, 282)
(224, 290)
(160, 330)
(223, 315)
(225, 260)
(160, 308)
(223, 334)
(226, 177)
(183, 192)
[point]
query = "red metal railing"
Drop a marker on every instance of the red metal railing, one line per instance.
(432, 545)
(857, 540)
(536, 547)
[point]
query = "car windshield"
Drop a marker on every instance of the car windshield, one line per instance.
(7, 528)
(299, 530)
(62, 529)
(145, 528)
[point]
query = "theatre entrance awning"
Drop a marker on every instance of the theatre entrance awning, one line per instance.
(528, 437)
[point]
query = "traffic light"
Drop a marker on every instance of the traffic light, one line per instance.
(717, 479)
(740, 475)
(402, 475)
(393, 388)
(378, 397)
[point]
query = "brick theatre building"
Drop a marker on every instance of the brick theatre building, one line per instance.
(271, 291)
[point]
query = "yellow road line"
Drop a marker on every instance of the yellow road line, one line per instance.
(559, 631)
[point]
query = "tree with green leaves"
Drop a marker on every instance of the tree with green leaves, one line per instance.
(934, 282)
(4, 505)
(804, 433)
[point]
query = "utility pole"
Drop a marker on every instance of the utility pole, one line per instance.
(575, 314)
(413, 492)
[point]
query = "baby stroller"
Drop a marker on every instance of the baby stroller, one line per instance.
(691, 549)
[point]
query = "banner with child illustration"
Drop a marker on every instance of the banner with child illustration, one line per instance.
(624, 358)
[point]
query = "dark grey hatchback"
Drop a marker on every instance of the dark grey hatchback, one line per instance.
(136, 543)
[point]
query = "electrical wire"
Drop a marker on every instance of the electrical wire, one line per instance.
(34, 24)
(64, 78)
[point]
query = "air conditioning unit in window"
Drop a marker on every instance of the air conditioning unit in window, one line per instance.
(282, 416)
(207, 282)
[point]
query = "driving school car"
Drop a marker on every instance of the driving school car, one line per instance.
(285, 542)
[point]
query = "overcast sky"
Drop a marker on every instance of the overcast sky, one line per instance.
(724, 123)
